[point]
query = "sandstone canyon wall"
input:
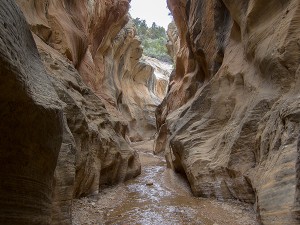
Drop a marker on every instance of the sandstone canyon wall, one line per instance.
(230, 120)
(99, 39)
(93, 57)
(70, 109)
(133, 85)
(31, 125)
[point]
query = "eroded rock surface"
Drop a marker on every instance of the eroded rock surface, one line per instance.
(108, 94)
(93, 57)
(230, 120)
(100, 41)
(31, 124)
(133, 85)
(93, 154)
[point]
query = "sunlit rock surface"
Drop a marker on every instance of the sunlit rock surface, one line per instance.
(133, 85)
(109, 94)
(104, 48)
(230, 120)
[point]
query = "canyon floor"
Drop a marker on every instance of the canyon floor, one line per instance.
(157, 196)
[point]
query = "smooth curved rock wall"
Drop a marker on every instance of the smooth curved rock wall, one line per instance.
(31, 124)
(93, 154)
(230, 119)
(93, 56)
(102, 44)
(73, 38)
(133, 85)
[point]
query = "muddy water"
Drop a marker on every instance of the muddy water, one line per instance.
(151, 201)
(157, 196)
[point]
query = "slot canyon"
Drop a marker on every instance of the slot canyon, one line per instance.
(95, 132)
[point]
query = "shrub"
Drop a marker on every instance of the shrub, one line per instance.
(154, 40)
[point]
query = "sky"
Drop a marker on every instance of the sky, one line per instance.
(151, 11)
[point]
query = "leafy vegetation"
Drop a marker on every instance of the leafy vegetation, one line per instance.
(153, 39)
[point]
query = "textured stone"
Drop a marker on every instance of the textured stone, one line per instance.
(229, 121)
(133, 85)
(173, 44)
(93, 56)
(74, 39)
(93, 154)
(31, 124)
(102, 45)
(60, 119)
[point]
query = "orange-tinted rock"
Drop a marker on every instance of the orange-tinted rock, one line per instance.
(91, 34)
(74, 39)
(93, 57)
(133, 86)
(230, 119)
(93, 154)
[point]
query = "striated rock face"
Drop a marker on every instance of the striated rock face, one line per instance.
(230, 120)
(102, 45)
(133, 86)
(93, 65)
(93, 154)
(93, 58)
(31, 124)
(173, 44)
(159, 80)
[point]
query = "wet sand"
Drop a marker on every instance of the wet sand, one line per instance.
(157, 196)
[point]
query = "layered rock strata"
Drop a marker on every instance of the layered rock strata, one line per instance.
(31, 124)
(104, 48)
(93, 153)
(93, 70)
(93, 58)
(133, 85)
(230, 120)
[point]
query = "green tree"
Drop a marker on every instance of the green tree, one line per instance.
(153, 39)
(141, 26)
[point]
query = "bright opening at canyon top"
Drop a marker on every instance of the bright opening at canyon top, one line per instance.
(151, 11)
(171, 112)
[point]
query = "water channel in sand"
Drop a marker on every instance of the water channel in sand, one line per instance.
(157, 196)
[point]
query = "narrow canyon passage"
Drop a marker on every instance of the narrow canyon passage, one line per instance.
(84, 84)
(157, 196)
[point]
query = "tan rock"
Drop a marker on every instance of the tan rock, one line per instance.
(75, 52)
(93, 154)
(173, 44)
(91, 34)
(31, 124)
(133, 85)
(110, 94)
(231, 114)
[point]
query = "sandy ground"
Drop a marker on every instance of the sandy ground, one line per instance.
(157, 196)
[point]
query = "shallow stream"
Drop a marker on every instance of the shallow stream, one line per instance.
(157, 196)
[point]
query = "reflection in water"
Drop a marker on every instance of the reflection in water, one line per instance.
(152, 198)
(157, 196)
